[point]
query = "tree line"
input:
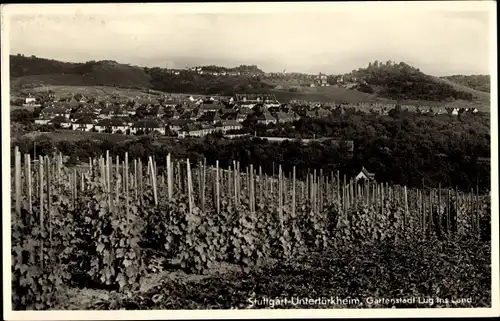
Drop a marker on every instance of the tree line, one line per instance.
(404, 148)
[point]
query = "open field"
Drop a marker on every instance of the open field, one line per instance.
(75, 136)
(331, 93)
(92, 91)
(123, 234)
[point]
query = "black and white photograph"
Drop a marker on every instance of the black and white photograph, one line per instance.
(249, 160)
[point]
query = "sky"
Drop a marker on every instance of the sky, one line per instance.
(439, 41)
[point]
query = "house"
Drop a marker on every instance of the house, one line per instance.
(60, 121)
(169, 102)
(171, 114)
(30, 101)
(365, 175)
(51, 112)
(42, 121)
(210, 117)
(226, 125)
(195, 130)
(175, 125)
(452, 111)
(85, 123)
(266, 119)
(112, 125)
(282, 117)
(77, 115)
(113, 111)
(147, 126)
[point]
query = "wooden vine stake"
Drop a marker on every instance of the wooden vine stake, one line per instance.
(280, 197)
(406, 208)
(293, 192)
(40, 185)
(126, 182)
(169, 177)
(252, 192)
(203, 178)
(217, 187)
(108, 179)
(17, 161)
(153, 180)
(189, 183)
(29, 184)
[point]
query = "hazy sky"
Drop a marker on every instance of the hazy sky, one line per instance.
(438, 42)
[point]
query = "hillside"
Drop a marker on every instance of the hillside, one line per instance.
(476, 82)
(378, 82)
(401, 81)
(34, 71)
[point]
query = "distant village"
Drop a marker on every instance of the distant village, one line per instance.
(194, 115)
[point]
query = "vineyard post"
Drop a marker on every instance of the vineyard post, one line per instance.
(108, 179)
(203, 177)
(229, 192)
(217, 187)
(406, 208)
(272, 178)
(439, 218)
(260, 184)
(76, 187)
(247, 178)
(198, 181)
(472, 212)
(180, 189)
(293, 193)
(17, 162)
(49, 195)
(280, 200)
(235, 183)
(153, 180)
(448, 213)
(169, 177)
(117, 175)
(265, 184)
(29, 183)
(40, 185)
(139, 177)
(189, 183)
(320, 189)
(280, 193)
(135, 181)
(238, 173)
(338, 186)
(313, 191)
(307, 187)
(333, 187)
(127, 183)
(478, 213)
(252, 196)
(456, 209)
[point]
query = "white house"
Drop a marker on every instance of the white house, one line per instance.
(112, 125)
(85, 123)
(147, 126)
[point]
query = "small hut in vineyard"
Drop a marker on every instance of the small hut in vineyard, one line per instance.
(364, 175)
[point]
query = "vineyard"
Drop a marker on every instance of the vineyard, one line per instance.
(104, 226)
